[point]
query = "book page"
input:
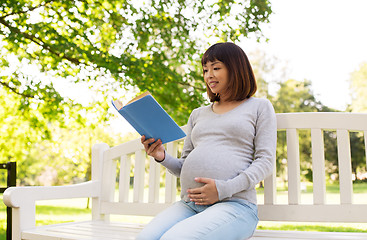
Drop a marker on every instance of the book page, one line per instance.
(138, 97)
(118, 104)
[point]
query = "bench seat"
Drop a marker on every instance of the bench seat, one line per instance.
(100, 230)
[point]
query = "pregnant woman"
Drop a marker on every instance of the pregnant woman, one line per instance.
(229, 148)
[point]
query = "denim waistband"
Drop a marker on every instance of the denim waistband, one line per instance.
(200, 208)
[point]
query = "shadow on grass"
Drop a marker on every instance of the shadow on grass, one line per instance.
(310, 228)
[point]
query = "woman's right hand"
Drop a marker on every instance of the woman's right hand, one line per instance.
(154, 148)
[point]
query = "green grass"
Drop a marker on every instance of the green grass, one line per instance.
(2, 219)
(60, 211)
(316, 227)
(332, 197)
(2, 229)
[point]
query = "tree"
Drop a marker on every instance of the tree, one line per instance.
(358, 86)
(296, 96)
(110, 45)
(66, 157)
(153, 45)
(39, 138)
(269, 71)
(260, 67)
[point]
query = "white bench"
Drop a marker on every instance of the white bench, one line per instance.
(130, 155)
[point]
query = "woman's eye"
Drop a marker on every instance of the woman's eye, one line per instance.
(205, 70)
(216, 68)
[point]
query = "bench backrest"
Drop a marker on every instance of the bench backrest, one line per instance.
(127, 164)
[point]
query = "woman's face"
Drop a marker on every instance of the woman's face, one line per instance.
(216, 76)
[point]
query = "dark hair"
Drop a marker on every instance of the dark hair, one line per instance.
(241, 82)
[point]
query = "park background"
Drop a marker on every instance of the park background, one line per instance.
(62, 62)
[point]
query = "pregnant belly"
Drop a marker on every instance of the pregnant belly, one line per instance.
(209, 162)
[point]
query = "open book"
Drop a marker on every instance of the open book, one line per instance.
(148, 118)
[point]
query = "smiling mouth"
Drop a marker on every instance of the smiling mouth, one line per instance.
(213, 84)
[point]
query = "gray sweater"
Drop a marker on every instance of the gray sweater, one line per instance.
(236, 148)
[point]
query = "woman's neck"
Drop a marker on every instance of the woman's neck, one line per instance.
(225, 106)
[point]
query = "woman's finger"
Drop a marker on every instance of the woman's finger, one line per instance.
(154, 146)
(201, 201)
(195, 190)
(147, 143)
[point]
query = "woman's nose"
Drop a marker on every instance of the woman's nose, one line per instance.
(210, 73)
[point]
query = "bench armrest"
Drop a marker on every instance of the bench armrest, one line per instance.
(17, 196)
(22, 200)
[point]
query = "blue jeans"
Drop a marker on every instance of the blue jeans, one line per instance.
(230, 220)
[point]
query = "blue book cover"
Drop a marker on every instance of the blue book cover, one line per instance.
(148, 118)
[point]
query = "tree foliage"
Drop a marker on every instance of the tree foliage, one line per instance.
(48, 148)
(297, 96)
(358, 85)
(152, 45)
(110, 45)
(66, 157)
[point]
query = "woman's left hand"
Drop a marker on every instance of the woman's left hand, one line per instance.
(205, 195)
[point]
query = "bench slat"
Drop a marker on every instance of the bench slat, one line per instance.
(270, 188)
(293, 167)
(297, 235)
(318, 166)
(323, 120)
(154, 175)
(126, 148)
(314, 213)
(124, 185)
(120, 231)
(97, 230)
(171, 181)
(345, 167)
(108, 179)
(139, 172)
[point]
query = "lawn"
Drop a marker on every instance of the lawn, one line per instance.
(57, 211)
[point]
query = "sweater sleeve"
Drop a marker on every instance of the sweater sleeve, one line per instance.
(264, 155)
(173, 164)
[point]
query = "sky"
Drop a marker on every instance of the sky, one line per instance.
(323, 41)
